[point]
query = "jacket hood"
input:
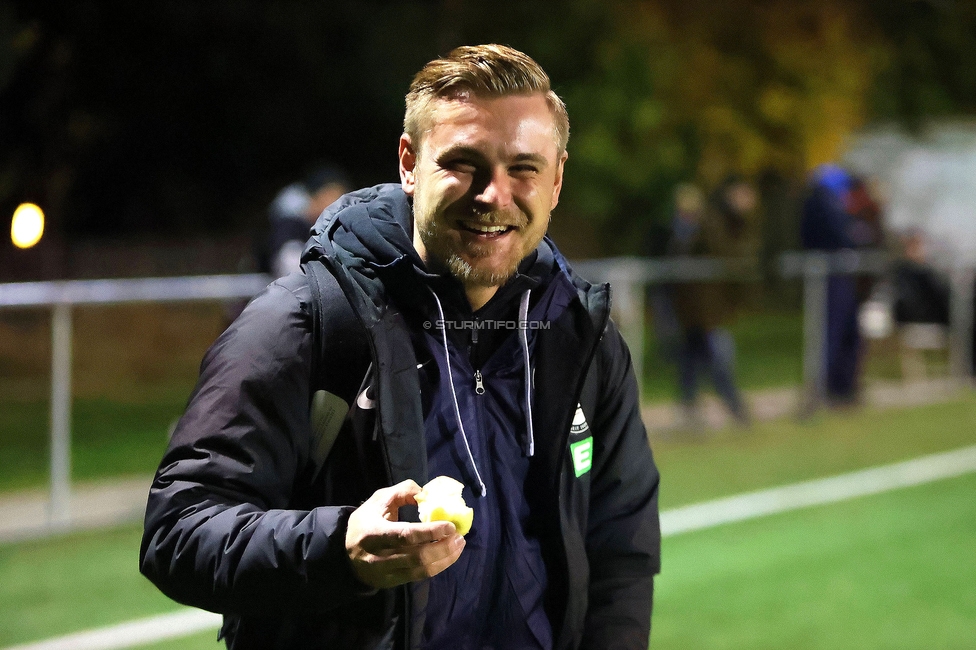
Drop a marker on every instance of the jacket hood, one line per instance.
(367, 237)
(370, 232)
(372, 226)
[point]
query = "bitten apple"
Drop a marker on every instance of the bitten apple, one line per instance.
(441, 500)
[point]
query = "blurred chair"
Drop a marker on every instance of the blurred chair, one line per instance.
(915, 339)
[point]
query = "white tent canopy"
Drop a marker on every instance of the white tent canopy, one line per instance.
(929, 181)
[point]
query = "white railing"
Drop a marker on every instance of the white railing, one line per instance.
(815, 268)
(62, 297)
(629, 276)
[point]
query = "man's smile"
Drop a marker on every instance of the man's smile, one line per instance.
(485, 231)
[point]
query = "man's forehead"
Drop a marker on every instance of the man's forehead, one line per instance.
(460, 101)
(518, 117)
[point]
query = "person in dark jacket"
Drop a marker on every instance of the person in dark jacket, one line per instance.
(828, 225)
(706, 309)
(921, 290)
(292, 214)
(436, 330)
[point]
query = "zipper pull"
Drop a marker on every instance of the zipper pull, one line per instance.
(479, 386)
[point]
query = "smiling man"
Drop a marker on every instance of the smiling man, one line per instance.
(484, 174)
(435, 331)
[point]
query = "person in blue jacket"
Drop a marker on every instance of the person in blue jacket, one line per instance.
(446, 335)
(828, 225)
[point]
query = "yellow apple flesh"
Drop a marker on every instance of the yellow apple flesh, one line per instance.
(441, 500)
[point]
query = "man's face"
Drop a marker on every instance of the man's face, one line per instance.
(323, 199)
(742, 198)
(483, 183)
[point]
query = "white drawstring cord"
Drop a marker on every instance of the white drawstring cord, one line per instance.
(457, 408)
(524, 337)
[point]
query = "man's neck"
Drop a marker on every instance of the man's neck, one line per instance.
(478, 297)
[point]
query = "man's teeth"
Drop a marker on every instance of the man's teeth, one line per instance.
(486, 229)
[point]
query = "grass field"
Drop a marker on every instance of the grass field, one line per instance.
(769, 353)
(109, 438)
(125, 402)
(892, 571)
(133, 369)
(888, 571)
(786, 451)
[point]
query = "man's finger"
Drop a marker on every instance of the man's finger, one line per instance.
(448, 550)
(399, 536)
(437, 566)
(423, 553)
(395, 496)
(417, 563)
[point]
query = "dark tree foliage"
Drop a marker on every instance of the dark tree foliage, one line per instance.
(176, 117)
(931, 59)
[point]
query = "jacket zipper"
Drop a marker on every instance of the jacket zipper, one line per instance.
(577, 394)
(479, 385)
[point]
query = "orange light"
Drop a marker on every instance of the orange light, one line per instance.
(27, 226)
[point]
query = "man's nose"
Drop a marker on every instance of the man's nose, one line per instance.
(497, 192)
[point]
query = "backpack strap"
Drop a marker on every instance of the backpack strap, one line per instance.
(340, 359)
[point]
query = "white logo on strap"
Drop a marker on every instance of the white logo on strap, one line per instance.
(364, 401)
(579, 422)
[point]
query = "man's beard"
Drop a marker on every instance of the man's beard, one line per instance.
(440, 252)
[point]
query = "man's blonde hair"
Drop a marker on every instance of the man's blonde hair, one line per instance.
(486, 71)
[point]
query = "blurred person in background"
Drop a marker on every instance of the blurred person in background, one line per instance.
(689, 204)
(921, 303)
(292, 214)
(705, 309)
(827, 224)
(304, 533)
(921, 291)
(867, 227)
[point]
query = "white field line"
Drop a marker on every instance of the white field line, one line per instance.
(673, 522)
(133, 633)
(817, 492)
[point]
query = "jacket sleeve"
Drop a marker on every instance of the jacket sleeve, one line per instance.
(624, 534)
(219, 530)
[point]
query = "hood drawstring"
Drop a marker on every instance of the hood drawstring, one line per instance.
(524, 337)
(457, 408)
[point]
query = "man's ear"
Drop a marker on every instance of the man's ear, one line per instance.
(558, 184)
(408, 162)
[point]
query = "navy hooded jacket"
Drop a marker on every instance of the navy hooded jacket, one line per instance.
(244, 518)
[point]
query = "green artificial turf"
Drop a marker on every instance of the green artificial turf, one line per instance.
(892, 571)
(769, 354)
(57, 586)
(108, 439)
(786, 451)
(888, 571)
(200, 641)
(805, 573)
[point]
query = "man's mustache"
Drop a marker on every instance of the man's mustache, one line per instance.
(514, 218)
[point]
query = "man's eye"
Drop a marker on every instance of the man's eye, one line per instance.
(524, 170)
(461, 166)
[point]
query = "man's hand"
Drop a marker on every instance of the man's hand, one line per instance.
(386, 552)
